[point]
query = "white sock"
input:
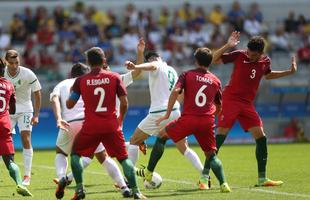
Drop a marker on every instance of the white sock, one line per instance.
(61, 164)
(133, 153)
(85, 162)
(193, 159)
(27, 154)
(114, 171)
(127, 145)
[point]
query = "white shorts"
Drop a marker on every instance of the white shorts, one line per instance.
(23, 121)
(148, 124)
(65, 139)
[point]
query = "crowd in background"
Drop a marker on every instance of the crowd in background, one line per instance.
(50, 38)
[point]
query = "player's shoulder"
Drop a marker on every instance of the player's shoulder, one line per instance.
(214, 78)
(265, 59)
(66, 82)
(25, 70)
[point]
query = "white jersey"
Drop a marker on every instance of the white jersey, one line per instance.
(25, 82)
(127, 80)
(62, 90)
(161, 82)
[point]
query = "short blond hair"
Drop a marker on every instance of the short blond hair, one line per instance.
(11, 54)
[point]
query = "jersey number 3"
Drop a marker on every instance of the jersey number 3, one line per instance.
(100, 91)
(201, 98)
(3, 101)
(253, 74)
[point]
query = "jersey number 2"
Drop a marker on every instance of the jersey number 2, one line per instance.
(201, 98)
(3, 101)
(100, 91)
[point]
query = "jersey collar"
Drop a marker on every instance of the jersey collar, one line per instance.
(7, 71)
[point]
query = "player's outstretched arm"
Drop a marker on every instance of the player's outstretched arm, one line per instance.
(37, 107)
(172, 99)
(140, 50)
(232, 41)
(279, 74)
(150, 66)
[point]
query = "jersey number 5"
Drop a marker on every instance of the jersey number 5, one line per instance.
(201, 98)
(100, 91)
(3, 101)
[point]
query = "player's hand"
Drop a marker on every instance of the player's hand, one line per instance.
(293, 65)
(130, 65)
(141, 45)
(159, 120)
(233, 39)
(34, 120)
(62, 124)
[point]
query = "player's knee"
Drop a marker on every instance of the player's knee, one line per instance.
(101, 156)
(163, 134)
(59, 150)
(210, 154)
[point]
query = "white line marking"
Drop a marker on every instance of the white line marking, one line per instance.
(192, 183)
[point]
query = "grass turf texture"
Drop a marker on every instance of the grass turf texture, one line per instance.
(287, 162)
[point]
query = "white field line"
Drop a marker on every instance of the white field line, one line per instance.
(192, 183)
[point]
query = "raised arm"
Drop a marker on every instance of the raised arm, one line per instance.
(279, 74)
(150, 66)
(62, 124)
(232, 41)
(140, 50)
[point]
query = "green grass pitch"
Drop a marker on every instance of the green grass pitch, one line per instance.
(287, 162)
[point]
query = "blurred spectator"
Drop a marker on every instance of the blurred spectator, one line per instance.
(130, 39)
(217, 38)
(121, 56)
(291, 24)
(200, 17)
(217, 17)
(46, 58)
(185, 13)
(236, 16)
(155, 35)
(106, 46)
(252, 26)
(255, 11)
(164, 17)
(29, 21)
(78, 12)
(91, 30)
(279, 41)
(60, 16)
(198, 37)
(17, 30)
(65, 33)
(99, 17)
(131, 15)
(113, 29)
(4, 39)
(302, 24)
(45, 34)
(304, 52)
(142, 22)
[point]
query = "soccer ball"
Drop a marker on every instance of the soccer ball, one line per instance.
(154, 183)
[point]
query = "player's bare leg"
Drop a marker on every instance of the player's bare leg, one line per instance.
(15, 174)
(136, 139)
(261, 157)
(27, 154)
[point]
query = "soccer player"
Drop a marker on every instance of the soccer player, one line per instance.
(7, 102)
(250, 66)
(25, 82)
(162, 79)
(98, 90)
(75, 117)
(202, 95)
(70, 123)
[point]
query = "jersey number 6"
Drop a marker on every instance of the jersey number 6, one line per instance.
(201, 96)
(3, 101)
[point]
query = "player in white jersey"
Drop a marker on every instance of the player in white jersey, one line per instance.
(25, 83)
(162, 79)
(70, 122)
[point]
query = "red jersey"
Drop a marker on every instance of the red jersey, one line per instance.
(7, 96)
(246, 75)
(98, 90)
(201, 90)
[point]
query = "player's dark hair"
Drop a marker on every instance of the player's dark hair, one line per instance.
(150, 54)
(203, 56)
(2, 67)
(79, 69)
(95, 56)
(256, 44)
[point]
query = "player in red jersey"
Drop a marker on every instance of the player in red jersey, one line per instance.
(98, 90)
(250, 66)
(7, 106)
(202, 95)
